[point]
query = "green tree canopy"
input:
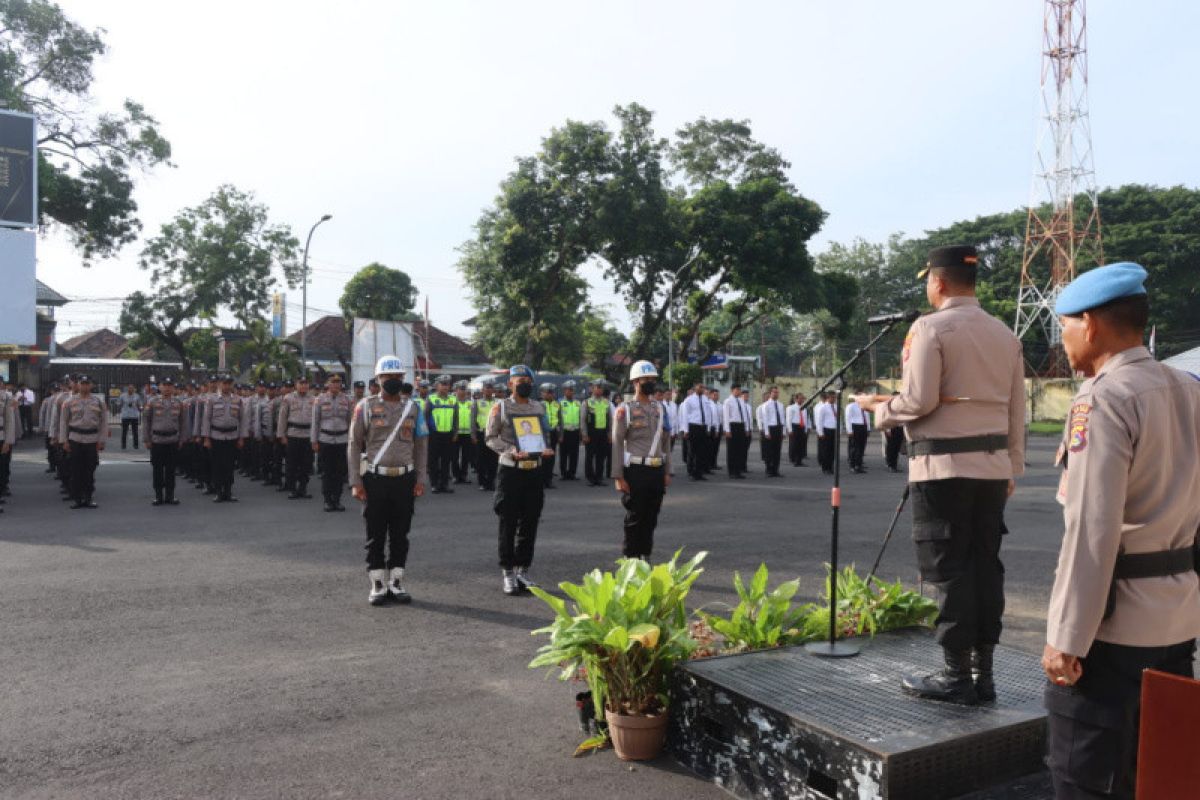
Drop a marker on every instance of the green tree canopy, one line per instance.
(86, 160)
(378, 292)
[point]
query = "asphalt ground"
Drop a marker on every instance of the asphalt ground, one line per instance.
(228, 650)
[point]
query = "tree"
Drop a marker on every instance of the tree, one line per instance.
(378, 292)
(216, 256)
(274, 359)
(201, 348)
(601, 340)
(85, 160)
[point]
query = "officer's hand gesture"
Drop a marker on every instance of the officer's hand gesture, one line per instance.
(588, 439)
(359, 493)
(7, 448)
(729, 436)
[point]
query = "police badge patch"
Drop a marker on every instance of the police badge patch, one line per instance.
(1077, 432)
(908, 344)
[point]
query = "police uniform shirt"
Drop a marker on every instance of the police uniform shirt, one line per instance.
(261, 424)
(501, 427)
(371, 425)
(83, 420)
(1131, 452)
(8, 419)
(224, 419)
(164, 420)
(295, 416)
(961, 351)
(636, 434)
(331, 419)
(736, 410)
(770, 414)
(57, 414)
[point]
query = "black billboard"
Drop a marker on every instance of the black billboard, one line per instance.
(18, 170)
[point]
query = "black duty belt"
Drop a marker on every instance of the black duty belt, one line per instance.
(299, 424)
(82, 431)
(1161, 564)
(334, 433)
(223, 430)
(165, 433)
(989, 443)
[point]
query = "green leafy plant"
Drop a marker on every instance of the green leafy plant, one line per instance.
(623, 632)
(761, 619)
(867, 606)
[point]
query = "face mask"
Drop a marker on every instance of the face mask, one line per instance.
(524, 389)
(644, 388)
(393, 386)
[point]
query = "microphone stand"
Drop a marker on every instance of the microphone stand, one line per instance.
(833, 648)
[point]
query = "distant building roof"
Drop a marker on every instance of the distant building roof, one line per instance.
(102, 343)
(330, 335)
(447, 348)
(326, 335)
(1188, 361)
(48, 297)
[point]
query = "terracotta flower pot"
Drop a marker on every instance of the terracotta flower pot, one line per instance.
(637, 738)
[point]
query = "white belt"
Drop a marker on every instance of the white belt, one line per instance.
(387, 472)
(646, 462)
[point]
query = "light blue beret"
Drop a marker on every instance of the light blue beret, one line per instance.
(1100, 285)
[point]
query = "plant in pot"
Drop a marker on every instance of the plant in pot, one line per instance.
(624, 632)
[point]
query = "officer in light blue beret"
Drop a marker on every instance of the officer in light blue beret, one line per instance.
(1100, 286)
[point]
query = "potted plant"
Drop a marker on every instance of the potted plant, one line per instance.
(624, 632)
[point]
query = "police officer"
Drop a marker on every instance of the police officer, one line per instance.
(387, 464)
(278, 446)
(963, 408)
(293, 429)
(164, 426)
(568, 448)
(486, 458)
(8, 437)
(641, 460)
(330, 433)
(1126, 596)
(360, 391)
(597, 422)
(441, 418)
(83, 430)
(554, 415)
(516, 428)
(224, 432)
(463, 452)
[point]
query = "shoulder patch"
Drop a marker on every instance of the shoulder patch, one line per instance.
(1077, 429)
(908, 338)
(621, 412)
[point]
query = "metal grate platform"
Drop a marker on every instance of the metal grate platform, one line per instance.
(783, 723)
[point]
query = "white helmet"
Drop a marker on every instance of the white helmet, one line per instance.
(642, 369)
(389, 365)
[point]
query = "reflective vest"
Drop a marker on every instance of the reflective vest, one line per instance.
(442, 411)
(599, 407)
(464, 416)
(570, 414)
(553, 413)
(483, 407)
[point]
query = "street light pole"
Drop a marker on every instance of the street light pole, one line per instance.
(304, 301)
(671, 325)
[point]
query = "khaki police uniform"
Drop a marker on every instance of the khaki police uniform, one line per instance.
(641, 455)
(294, 426)
(83, 424)
(164, 423)
(224, 432)
(388, 466)
(1126, 594)
(331, 433)
(520, 492)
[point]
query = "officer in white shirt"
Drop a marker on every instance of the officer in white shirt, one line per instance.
(715, 428)
(694, 419)
(825, 422)
(771, 417)
(666, 397)
(798, 424)
(858, 425)
(738, 429)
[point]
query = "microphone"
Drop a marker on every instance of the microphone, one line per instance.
(888, 319)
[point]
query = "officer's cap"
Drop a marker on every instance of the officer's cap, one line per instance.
(423, 384)
(272, 385)
(167, 382)
(1099, 286)
(547, 387)
(288, 383)
(443, 379)
(460, 384)
(359, 385)
(82, 379)
(224, 378)
(520, 371)
(389, 365)
(569, 385)
(962, 256)
(598, 382)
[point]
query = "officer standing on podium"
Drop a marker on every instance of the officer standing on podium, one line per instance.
(1126, 596)
(963, 408)
(641, 460)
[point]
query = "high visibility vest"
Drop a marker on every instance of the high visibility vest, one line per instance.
(570, 414)
(443, 413)
(483, 408)
(553, 413)
(599, 407)
(464, 416)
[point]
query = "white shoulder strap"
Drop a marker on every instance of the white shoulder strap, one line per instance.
(391, 436)
(654, 448)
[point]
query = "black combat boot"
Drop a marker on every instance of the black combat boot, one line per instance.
(158, 498)
(952, 685)
(981, 667)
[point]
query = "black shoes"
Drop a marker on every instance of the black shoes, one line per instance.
(171, 501)
(954, 684)
(84, 503)
(158, 499)
(981, 670)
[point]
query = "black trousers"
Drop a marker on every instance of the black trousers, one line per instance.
(5, 470)
(893, 441)
(858, 445)
(441, 447)
(956, 528)
(332, 458)
(697, 447)
(162, 464)
(735, 454)
(63, 463)
(224, 457)
(548, 463)
(126, 426)
(299, 463)
(204, 466)
(463, 459)
(568, 454)
(1093, 725)
(250, 455)
(714, 448)
(82, 462)
(772, 448)
(642, 504)
(388, 514)
(485, 466)
(520, 494)
(26, 421)
(597, 453)
(825, 448)
(278, 455)
(798, 445)
(51, 454)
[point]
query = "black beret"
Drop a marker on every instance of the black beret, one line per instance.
(289, 382)
(167, 382)
(962, 256)
(359, 385)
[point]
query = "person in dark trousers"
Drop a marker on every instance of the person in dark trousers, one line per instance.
(826, 424)
(441, 419)
(893, 440)
(597, 423)
(485, 458)
(737, 420)
(224, 431)
(858, 426)
(294, 430)
(330, 435)
(83, 429)
(568, 448)
(641, 460)
(771, 419)
(798, 423)
(129, 406)
(695, 419)
(164, 421)
(963, 404)
(462, 456)
(516, 428)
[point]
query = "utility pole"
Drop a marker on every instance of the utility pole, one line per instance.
(304, 301)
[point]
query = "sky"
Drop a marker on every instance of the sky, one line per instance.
(400, 119)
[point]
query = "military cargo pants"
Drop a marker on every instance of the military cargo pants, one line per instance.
(520, 494)
(956, 529)
(642, 504)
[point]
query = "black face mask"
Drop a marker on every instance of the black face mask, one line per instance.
(644, 388)
(393, 386)
(524, 390)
